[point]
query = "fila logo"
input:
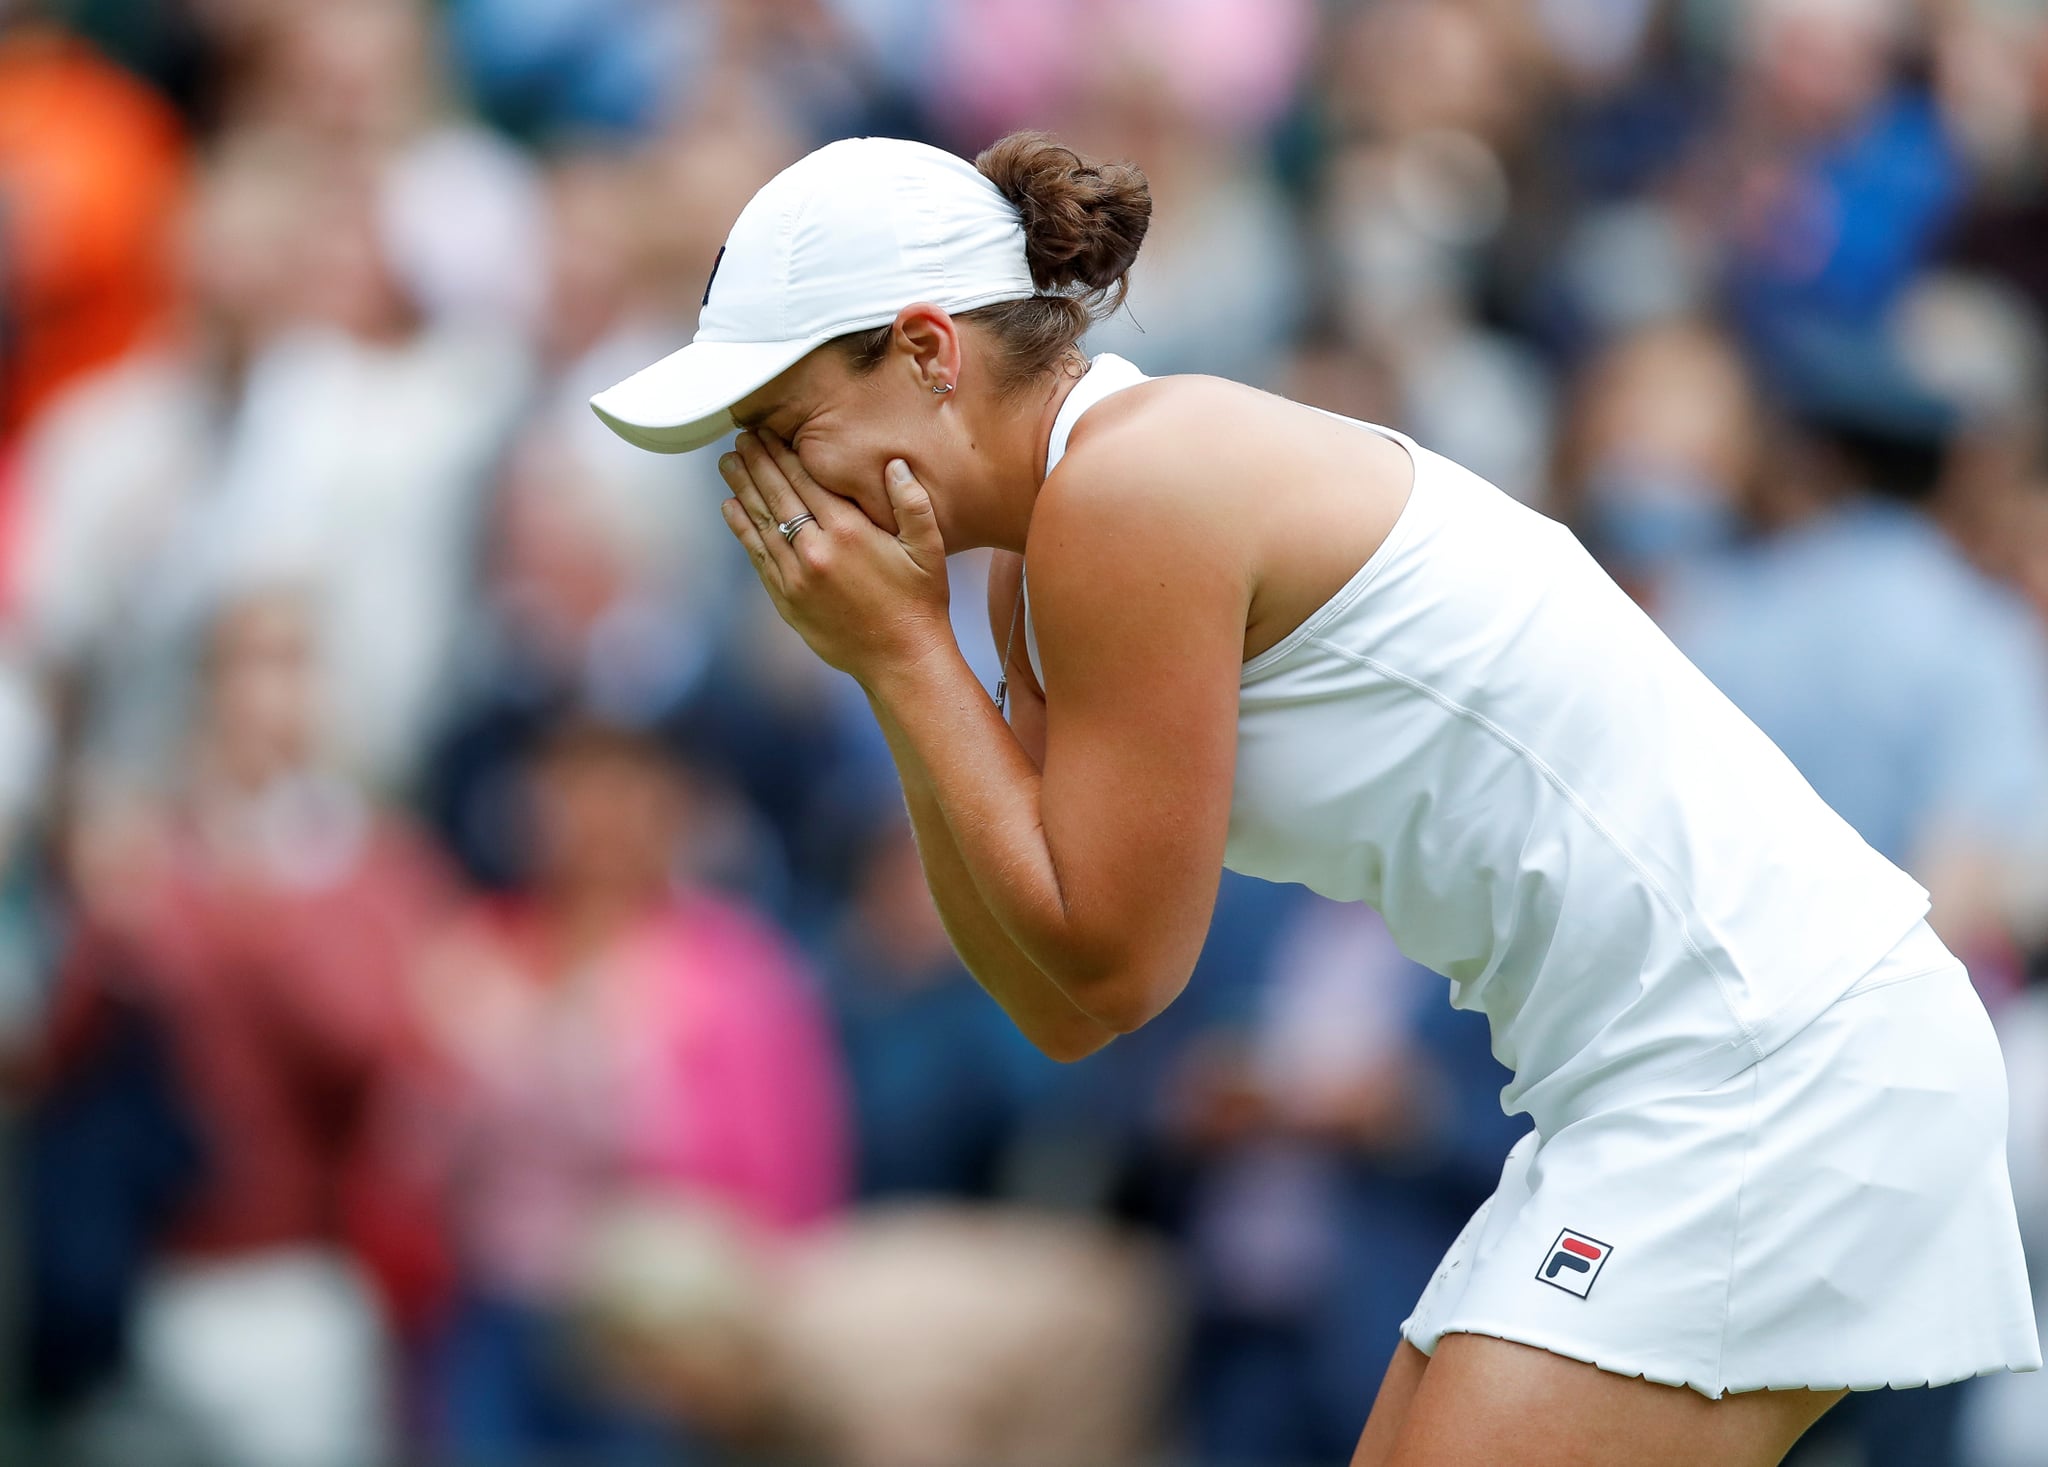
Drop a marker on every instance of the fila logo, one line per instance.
(1573, 1262)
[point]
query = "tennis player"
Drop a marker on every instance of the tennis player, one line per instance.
(1767, 1163)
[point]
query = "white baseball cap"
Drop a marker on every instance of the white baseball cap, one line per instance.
(837, 242)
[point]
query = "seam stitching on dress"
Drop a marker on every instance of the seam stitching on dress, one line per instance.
(1859, 988)
(1735, 1232)
(1577, 802)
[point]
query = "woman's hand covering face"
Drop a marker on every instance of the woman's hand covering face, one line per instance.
(862, 598)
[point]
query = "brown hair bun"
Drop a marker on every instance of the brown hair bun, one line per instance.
(1083, 220)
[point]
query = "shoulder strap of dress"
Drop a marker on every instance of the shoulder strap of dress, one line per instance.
(1107, 373)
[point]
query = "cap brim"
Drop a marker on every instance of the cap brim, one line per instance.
(684, 401)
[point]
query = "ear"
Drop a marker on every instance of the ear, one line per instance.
(928, 344)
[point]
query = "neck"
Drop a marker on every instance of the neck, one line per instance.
(1023, 441)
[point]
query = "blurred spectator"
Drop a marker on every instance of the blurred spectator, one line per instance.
(577, 608)
(1837, 630)
(1426, 105)
(1343, 1139)
(374, 522)
(542, 67)
(1330, 372)
(101, 508)
(279, 481)
(552, 69)
(1992, 71)
(1225, 66)
(582, 609)
(942, 1082)
(1219, 217)
(1840, 635)
(613, 1033)
(1662, 456)
(903, 1337)
(313, 296)
(460, 215)
(1836, 176)
(254, 935)
(1976, 341)
(608, 578)
(1191, 87)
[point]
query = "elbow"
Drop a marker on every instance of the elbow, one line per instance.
(1122, 1003)
(1103, 1010)
(1068, 1044)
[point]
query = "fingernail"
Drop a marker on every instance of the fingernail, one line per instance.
(898, 469)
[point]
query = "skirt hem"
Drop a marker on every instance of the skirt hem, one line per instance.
(1607, 1361)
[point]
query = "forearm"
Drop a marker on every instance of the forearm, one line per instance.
(1033, 1001)
(1137, 804)
(987, 791)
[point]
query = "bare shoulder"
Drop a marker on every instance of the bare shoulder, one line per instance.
(1194, 437)
(1133, 510)
(1167, 425)
(1210, 482)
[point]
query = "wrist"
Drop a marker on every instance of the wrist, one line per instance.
(916, 676)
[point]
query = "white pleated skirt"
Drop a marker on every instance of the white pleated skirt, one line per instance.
(1837, 1215)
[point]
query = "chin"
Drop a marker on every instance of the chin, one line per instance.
(882, 515)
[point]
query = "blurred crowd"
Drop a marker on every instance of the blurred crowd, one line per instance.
(467, 990)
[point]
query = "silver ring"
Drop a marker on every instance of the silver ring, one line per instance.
(790, 527)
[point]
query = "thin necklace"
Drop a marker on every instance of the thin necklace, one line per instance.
(1016, 614)
(1072, 358)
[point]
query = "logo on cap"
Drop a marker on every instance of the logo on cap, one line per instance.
(1574, 1262)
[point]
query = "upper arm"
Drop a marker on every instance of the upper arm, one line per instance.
(1140, 589)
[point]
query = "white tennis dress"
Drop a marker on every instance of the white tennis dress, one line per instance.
(1770, 1113)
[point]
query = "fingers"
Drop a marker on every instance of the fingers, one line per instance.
(916, 525)
(761, 520)
(741, 522)
(732, 468)
(783, 502)
(831, 510)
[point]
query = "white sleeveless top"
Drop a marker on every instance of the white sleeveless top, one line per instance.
(1485, 739)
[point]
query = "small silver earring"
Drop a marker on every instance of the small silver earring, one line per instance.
(943, 388)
